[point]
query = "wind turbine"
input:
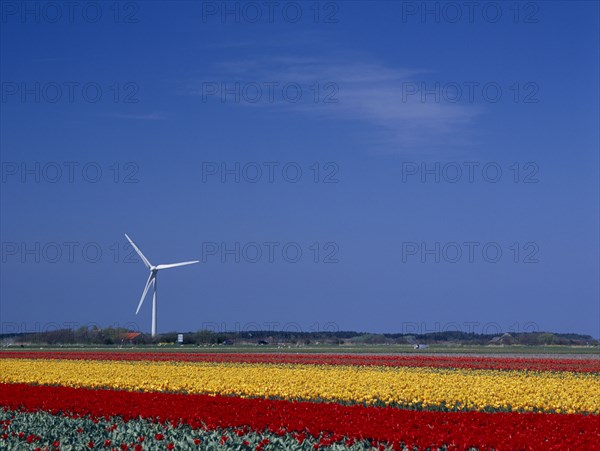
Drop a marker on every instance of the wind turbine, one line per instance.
(152, 280)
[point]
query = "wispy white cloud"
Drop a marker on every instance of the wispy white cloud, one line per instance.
(372, 94)
(154, 116)
(54, 59)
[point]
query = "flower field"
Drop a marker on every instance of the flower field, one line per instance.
(127, 400)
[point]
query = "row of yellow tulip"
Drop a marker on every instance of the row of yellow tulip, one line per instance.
(562, 392)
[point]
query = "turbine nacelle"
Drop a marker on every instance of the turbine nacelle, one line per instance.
(152, 280)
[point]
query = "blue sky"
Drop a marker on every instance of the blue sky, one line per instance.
(310, 163)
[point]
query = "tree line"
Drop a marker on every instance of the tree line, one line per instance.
(119, 336)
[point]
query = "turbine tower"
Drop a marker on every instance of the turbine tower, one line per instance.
(152, 280)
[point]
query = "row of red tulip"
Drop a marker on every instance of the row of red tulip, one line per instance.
(437, 361)
(329, 421)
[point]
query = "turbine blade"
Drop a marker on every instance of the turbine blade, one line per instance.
(144, 259)
(173, 265)
(148, 283)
